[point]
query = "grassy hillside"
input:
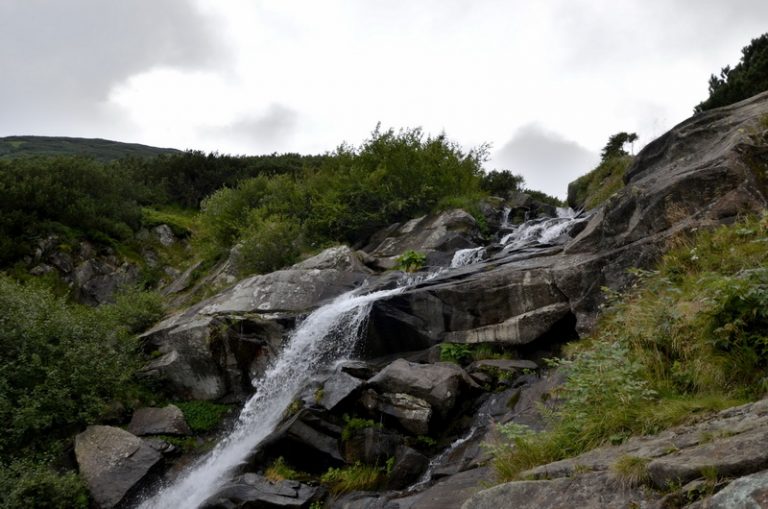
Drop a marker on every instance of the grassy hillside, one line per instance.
(690, 337)
(102, 150)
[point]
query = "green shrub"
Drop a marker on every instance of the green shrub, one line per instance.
(268, 245)
(61, 365)
(455, 352)
(690, 338)
(594, 188)
(352, 424)
(133, 309)
(24, 485)
(749, 77)
(411, 261)
(202, 416)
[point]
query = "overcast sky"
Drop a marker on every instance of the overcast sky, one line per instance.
(544, 82)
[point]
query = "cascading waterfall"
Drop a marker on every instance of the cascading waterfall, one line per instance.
(541, 231)
(324, 337)
(469, 256)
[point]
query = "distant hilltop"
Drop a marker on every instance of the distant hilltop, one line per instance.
(102, 150)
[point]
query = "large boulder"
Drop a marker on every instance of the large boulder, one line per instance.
(255, 491)
(113, 462)
(413, 414)
(439, 384)
(168, 420)
(438, 236)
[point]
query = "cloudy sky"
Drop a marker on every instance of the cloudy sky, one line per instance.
(544, 82)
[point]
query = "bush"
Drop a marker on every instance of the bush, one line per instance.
(268, 245)
(749, 77)
(61, 365)
(411, 261)
(594, 188)
(202, 416)
(502, 183)
(24, 485)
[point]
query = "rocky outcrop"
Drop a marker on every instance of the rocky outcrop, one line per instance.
(113, 462)
(216, 348)
(440, 385)
(438, 236)
(252, 490)
(725, 446)
(168, 420)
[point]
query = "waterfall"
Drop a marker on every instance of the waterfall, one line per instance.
(543, 230)
(505, 217)
(469, 256)
(324, 337)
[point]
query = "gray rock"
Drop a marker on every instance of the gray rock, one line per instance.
(516, 330)
(437, 236)
(439, 384)
(372, 446)
(97, 280)
(448, 493)
(337, 388)
(411, 412)
(729, 457)
(510, 365)
(409, 465)
(113, 462)
(168, 420)
(253, 490)
(164, 235)
(588, 491)
(748, 492)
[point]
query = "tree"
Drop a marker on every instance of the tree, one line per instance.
(747, 78)
(615, 145)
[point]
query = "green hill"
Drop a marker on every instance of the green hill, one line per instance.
(103, 150)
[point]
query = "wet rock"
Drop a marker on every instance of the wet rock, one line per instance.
(449, 493)
(255, 491)
(411, 412)
(439, 384)
(306, 441)
(517, 330)
(168, 420)
(372, 446)
(113, 462)
(408, 466)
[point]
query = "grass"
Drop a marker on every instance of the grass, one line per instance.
(690, 338)
(203, 416)
(631, 471)
(594, 188)
(279, 470)
(352, 424)
(355, 477)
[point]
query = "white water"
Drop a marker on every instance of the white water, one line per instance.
(505, 217)
(469, 256)
(324, 337)
(541, 231)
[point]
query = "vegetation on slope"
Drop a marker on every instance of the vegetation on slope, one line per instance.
(61, 367)
(691, 336)
(747, 78)
(12, 147)
(594, 188)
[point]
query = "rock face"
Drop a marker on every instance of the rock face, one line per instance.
(438, 236)
(252, 490)
(438, 384)
(113, 462)
(159, 421)
(217, 347)
(728, 444)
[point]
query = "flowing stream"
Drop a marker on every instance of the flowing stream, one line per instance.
(324, 337)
